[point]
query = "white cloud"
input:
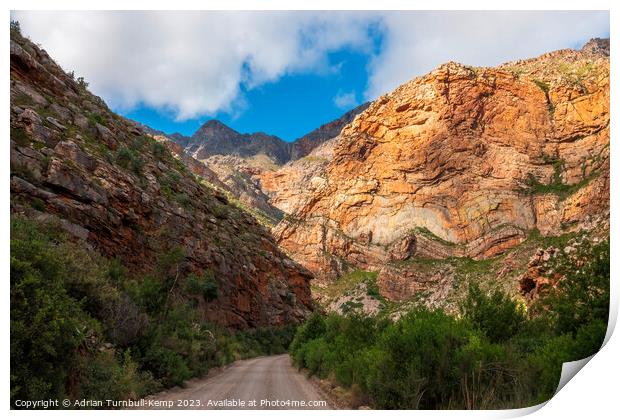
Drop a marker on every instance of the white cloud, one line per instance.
(196, 63)
(345, 100)
(417, 42)
(190, 63)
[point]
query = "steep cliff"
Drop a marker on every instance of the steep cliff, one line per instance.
(291, 187)
(462, 162)
(131, 195)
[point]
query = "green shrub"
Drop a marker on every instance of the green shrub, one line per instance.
(129, 159)
(582, 294)
(204, 285)
(15, 27)
(83, 327)
(158, 150)
(20, 136)
(93, 118)
(542, 85)
(59, 293)
(492, 356)
(138, 142)
(124, 157)
(82, 84)
(137, 165)
(314, 327)
(150, 293)
(416, 367)
(167, 365)
(184, 200)
(108, 376)
(495, 314)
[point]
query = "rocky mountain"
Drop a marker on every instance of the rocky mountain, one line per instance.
(179, 138)
(176, 149)
(132, 195)
(214, 138)
(464, 163)
(307, 143)
(243, 162)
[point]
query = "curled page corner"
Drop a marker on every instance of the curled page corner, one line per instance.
(569, 370)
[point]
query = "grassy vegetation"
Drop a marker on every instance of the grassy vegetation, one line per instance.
(314, 159)
(263, 218)
(430, 235)
(497, 273)
(159, 150)
(557, 186)
(20, 137)
(542, 85)
(95, 118)
(576, 73)
(495, 354)
(81, 327)
(348, 282)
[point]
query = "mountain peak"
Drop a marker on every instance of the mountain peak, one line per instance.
(216, 126)
(216, 138)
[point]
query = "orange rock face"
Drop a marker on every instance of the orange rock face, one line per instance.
(292, 186)
(468, 160)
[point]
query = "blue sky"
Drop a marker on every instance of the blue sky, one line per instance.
(282, 72)
(289, 107)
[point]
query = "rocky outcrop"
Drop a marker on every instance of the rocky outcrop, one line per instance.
(194, 166)
(404, 283)
(467, 160)
(109, 182)
(290, 187)
(241, 178)
(538, 279)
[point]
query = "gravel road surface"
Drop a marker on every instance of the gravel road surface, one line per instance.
(263, 383)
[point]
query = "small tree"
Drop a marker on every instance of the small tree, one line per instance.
(582, 294)
(83, 84)
(15, 26)
(495, 314)
(204, 285)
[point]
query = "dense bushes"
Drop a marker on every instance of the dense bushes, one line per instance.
(204, 285)
(491, 356)
(495, 314)
(582, 297)
(82, 328)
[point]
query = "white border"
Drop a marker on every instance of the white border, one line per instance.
(593, 393)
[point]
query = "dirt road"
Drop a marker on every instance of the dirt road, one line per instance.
(262, 383)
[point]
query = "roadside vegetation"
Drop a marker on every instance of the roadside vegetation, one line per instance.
(83, 328)
(496, 353)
